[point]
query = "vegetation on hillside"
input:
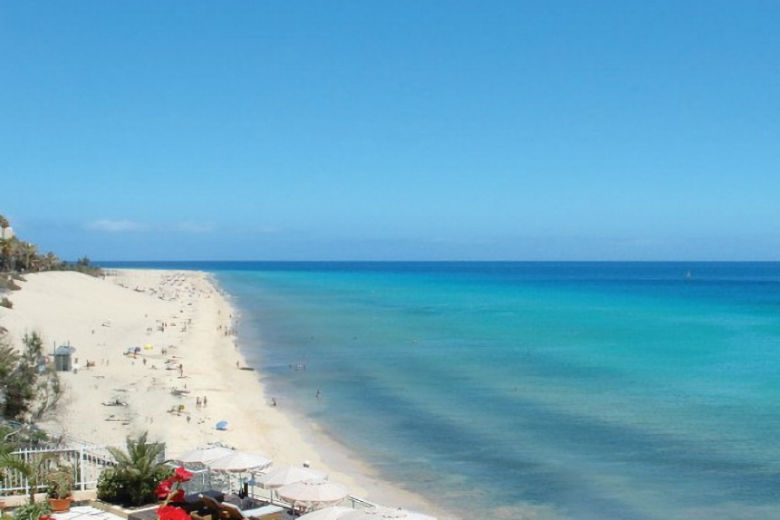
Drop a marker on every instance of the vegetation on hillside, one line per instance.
(28, 387)
(17, 256)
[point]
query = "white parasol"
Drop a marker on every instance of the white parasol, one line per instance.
(240, 461)
(313, 492)
(285, 475)
(203, 455)
(384, 513)
(328, 513)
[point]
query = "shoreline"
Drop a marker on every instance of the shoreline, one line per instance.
(188, 319)
(363, 482)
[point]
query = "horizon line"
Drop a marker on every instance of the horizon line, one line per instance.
(98, 262)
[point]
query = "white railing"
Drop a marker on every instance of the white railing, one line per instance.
(87, 462)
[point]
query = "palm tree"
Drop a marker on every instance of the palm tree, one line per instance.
(4, 245)
(6, 254)
(50, 261)
(141, 468)
(27, 254)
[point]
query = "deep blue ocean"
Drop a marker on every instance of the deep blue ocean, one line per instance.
(533, 390)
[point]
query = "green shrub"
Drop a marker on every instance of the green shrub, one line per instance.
(6, 282)
(110, 488)
(140, 468)
(32, 511)
(119, 487)
(5, 302)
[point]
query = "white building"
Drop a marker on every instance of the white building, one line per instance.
(6, 233)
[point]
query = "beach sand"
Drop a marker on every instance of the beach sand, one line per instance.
(181, 317)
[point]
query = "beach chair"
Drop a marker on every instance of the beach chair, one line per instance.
(230, 512)
(204, 507)
(265, 512)
(215, 510)
(225, 511)
(195, 502)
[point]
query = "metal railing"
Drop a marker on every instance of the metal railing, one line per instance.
(87, 462)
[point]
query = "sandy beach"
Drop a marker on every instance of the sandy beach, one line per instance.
(152, 346)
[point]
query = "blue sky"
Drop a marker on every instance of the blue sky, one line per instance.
(372, 130)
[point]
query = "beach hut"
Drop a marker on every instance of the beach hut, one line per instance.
(62, 362)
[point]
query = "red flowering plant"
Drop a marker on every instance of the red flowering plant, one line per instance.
(170, 490)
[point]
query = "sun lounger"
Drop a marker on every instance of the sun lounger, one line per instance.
(197, 502)
(266, 512)
(225, 511)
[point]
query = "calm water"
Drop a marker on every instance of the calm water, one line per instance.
(539, 390)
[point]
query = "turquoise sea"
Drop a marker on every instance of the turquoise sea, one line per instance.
(533, 390)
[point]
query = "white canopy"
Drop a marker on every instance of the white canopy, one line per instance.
(328, 513)
(313, 491)
(203, 455)
(285, 475)
(239, 461)
(384, 513)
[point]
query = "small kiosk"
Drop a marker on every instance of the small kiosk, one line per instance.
(62, 361)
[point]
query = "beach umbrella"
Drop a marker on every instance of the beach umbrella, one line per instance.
(240, 461)
(384, 513)
(203, 455)
(285, 475)
(327, 513)
(222, 425)
(313, 492)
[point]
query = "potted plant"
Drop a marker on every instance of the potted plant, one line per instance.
(34, 511)
(60, 486)
(137, 472)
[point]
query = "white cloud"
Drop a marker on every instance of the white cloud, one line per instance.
(195, 227)
(115, 226)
